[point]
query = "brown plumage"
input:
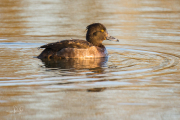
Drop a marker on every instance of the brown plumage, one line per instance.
(76, 48)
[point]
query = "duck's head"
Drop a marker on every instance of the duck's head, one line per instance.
(96, 33)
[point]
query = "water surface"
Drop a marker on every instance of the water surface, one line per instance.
(139, 80)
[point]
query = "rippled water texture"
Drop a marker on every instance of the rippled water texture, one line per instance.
(139, 80)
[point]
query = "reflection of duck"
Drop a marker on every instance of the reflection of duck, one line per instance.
(75, 63)
(75, 48)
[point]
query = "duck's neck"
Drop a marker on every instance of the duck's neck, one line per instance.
(95, 42)
(101, 46)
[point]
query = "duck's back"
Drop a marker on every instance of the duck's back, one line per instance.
(72, 49)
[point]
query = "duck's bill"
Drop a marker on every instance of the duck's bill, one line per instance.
(111, 38)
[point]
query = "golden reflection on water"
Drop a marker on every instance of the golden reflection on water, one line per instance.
(139, 80)
(75, 63)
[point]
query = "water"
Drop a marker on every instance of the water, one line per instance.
(139, 80)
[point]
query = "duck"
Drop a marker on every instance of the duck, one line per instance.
(76, 48)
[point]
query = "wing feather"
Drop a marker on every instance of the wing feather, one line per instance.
(56, 46)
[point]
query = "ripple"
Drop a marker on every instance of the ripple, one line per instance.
(123, 65)
(128, 63)
(19, 45)
(132, 104)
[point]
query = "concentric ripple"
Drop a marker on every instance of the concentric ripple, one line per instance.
(121, 68)
(136, 63)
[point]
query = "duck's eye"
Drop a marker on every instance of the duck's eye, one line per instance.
(102, 30)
